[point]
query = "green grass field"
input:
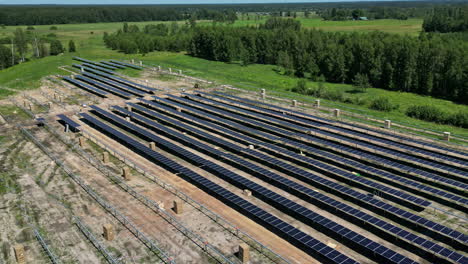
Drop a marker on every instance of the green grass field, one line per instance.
(253, 77)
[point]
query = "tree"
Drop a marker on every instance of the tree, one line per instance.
(71, 46)
(56, 47)
(361, 81)
(21, 42)
(125, 27)
(284, 60)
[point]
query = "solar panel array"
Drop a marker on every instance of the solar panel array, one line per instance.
(95, 63)
(303, 160)
(328, 121)
(92, 66)
(283, 229)
(349, 133)
(115, 84)
(113, 64)
(326, 144)
(300, 212)
(335, 137)
(127, 64)
(104, 87)
(86, 86)
(291, 170)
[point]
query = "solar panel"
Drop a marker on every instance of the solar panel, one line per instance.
(287, 206)
(115, 84)
(113, 64)
(88, 69)
(92, 66)
(335, 137)
(349, 132)
(127, 64)
(306, 243)
(105, 87)
(95, 63)
(430, 226)
(287, 168)
(328, 121)
(86, 86)
(381, 161)
(72, 124)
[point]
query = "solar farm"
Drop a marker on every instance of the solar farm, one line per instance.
(187, 171)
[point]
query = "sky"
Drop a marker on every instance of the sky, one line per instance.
(36, 2)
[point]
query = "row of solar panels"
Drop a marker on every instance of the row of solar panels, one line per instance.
(382, 142)
(309, 117)
(452, 200)
(456, 171)
(325, 144)
(347, 132)
(102, 65)
(273, 223)
(411, 219)
(272, 198)
(112, 64)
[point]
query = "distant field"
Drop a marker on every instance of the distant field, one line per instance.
(410, 26)
(254, 77)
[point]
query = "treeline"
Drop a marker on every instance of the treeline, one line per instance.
(447, 19)
(431, 64)
(339, 14)
(49, 15)
(66, 14)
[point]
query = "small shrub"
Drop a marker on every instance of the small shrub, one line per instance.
(361, 81)
(53, 28)
(426, 113)
(30, 28)
(382, 104)
(459, 119)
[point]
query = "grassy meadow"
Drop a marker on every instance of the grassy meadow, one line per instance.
(88, 39)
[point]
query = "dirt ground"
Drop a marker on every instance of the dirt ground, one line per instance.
(36, 194)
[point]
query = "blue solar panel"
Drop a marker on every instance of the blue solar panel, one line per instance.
(104, 87)
(115, 84)
(86, 86)
(309, 117)
(88, 69)
(306, 243)
(95, 63)
(113, 64)
(92, 66)
(385, 151)
(431, 226)
(323, 143)
(72, 124)
(281, 182)
(127, 64)
(263, 193)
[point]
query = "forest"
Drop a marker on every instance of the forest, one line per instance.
(69, 14)
(431, 64)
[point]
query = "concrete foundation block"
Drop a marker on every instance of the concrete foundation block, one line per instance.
(152, 146)
(244, 253)
(105, 157)
(294, 103)
(247, 193)
(82, 142)
(446, 136)
(317, 103)
(108, 232)
(20, 255)
(126, 174)
(178, 207)
(388, 124)
(336, 112)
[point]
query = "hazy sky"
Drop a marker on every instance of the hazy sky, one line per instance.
(20, 2)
